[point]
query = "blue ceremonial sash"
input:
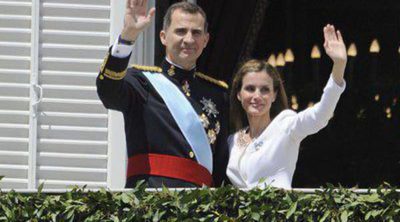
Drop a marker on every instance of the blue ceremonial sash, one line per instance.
(185, 116)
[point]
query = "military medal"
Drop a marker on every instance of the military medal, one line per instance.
(186, 88)
(211, 136)
(209, 107)
(204, 120)
(171, 71)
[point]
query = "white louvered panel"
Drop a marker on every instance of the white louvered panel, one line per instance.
(14, 75)
(14, 117)
(75, 119)
(13, 171)
(70, 64)
(14, 103)
(14, 157)
(14, 89)
(75, 173)
(62, 184)
(73, 160)
(14, 144)
(16, 62)
(7, 183)
(14, 130)
(79, 10)
(67, 176)
(15, 35)
(74, 37)
(79, 25)
(11, 21)
(15, 7)
(71, 105)
(86, 2)
(15, 47)
(70, 92)
(73, 51)
(73, 146)
(68, 78)
(72, 131)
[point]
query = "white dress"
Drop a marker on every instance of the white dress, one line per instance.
(271, 158)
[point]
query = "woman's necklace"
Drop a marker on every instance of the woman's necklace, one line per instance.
(244, 138)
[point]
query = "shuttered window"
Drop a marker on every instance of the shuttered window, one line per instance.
(15, 54)
(63, 140)
(72, 125)
(53, 128)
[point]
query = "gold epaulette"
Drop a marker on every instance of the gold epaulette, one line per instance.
(147, 68)
(212, 80)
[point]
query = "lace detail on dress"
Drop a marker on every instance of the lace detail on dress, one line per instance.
(244, 139)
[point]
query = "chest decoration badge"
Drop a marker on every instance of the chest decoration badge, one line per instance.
(186, 88)
(204, 120)
(212, 136)
(209, 107)
(171, 71)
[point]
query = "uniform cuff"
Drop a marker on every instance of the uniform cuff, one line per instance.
(121, 50)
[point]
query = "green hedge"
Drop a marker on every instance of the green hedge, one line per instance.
(222, 204)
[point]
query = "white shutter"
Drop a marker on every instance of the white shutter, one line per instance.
(72, 126)
(15, 38)
(53, 49)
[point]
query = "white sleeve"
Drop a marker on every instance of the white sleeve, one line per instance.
(313, 119)
(120, 50)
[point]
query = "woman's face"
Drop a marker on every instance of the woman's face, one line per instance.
(257, 94)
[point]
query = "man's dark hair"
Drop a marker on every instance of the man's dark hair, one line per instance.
(185, 7)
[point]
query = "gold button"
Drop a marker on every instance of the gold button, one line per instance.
(101, 77)
(191, 154)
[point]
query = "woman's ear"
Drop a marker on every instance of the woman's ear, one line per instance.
(274, 96)
(239, 97)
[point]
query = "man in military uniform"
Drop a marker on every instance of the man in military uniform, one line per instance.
(175, 117)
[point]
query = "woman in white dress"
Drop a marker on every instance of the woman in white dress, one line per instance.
(265, 147)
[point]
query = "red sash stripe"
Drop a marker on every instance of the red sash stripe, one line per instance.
(169, 166)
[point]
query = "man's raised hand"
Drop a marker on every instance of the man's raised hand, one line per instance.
(136, 19)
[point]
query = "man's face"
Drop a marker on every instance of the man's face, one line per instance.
(185, 38)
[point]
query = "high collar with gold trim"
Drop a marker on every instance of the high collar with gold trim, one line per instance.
(176, 72)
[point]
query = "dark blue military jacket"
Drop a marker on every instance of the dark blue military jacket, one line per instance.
(149, 125)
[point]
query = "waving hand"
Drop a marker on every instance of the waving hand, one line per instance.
(136, 18)
(336, 50)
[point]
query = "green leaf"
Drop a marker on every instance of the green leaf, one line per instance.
(368, 215)
(8, 212)
(54, 217)
(40, 188)
(255, 216)
(375, 213)
(291, 210)
(116, 219)
(372, 198)
(326, 215)
(126, 198)
(344, 216)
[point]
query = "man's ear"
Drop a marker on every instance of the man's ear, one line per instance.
(162, 37)
(207, 38)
